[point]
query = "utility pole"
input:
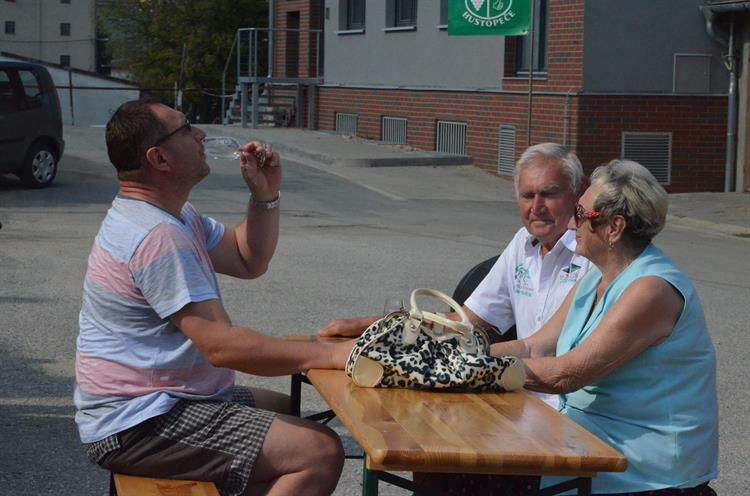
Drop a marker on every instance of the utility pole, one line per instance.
(531, 73)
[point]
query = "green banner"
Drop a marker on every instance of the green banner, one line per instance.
(488, 17)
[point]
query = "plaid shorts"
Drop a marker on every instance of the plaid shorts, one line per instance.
(196, 440)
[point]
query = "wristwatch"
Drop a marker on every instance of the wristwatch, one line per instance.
(266, 205)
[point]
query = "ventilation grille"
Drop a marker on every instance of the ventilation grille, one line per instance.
(506, 151)
(651, 150)
(451, 137)
(394, 130)
(346, 123)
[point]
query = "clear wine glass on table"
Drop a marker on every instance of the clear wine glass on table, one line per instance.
(227, 148)
(393, 305)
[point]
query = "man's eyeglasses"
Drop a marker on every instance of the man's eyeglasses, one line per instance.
(581, 215)
(167, 136)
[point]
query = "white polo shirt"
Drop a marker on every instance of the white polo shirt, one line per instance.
(524, 289)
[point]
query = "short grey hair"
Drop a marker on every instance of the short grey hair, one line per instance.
(569, 163)
(630, 190)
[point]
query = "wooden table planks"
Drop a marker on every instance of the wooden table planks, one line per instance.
(490, 433)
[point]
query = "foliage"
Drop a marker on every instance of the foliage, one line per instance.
(147, 38)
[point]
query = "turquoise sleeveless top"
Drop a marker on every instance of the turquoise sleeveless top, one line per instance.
(660, 409)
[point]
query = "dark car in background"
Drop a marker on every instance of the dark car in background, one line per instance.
(31, 140)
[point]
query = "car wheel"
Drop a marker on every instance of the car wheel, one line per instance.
(40, 166)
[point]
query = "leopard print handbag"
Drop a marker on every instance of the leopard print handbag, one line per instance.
(424, 350)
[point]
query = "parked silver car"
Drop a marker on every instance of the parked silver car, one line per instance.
(31, 140)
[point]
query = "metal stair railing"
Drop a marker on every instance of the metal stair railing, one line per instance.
(246, 70)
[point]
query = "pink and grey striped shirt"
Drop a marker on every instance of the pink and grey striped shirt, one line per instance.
(132, 363)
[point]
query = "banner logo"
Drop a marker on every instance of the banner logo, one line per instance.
(488, 17)
(488, 12)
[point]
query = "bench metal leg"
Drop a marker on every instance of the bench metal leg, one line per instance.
(369, 480)
(581, 484)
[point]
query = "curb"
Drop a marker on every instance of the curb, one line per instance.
(705, 225)
(419, 159)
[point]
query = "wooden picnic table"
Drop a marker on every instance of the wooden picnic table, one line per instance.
(460, 432)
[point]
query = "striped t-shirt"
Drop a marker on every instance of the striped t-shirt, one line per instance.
(132, 363)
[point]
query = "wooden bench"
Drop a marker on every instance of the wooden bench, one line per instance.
(129, 485)
(482, 433)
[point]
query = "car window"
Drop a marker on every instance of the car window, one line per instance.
(30, 83)
(8, 101)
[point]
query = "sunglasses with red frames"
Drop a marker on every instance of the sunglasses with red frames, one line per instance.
(581, 215)
(167, 136)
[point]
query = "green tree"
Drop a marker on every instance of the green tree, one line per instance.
(147, 39)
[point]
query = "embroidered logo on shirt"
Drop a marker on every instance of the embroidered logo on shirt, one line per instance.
(569, 274)
(522, 281)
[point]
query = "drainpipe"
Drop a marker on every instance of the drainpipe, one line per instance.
(730, 61)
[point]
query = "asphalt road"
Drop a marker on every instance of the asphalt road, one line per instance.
(349, 240)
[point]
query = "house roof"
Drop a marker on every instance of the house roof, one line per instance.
(22, 58)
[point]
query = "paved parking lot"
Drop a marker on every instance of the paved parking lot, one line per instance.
(351, 236)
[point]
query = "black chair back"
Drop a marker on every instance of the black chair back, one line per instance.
(468, 284)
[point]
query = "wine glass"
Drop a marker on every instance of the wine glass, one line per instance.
(222, 147)
(393, 305)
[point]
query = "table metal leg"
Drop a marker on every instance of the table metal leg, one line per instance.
(369, 480)
(584, 486)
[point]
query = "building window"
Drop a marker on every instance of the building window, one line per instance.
(65, 60)
(539, 46)
(351, 15)
(400, 13)
(10, 27)
(64, 29)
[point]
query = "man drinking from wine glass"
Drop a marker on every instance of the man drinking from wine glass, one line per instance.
(156, 351)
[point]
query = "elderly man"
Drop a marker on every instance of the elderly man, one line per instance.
(536, 270)
(156, 352)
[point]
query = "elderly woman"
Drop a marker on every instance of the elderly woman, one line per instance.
(628, 350)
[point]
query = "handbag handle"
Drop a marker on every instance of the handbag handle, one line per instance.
(416, 316)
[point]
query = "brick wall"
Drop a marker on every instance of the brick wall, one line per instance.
(309, 18)
(595, 123)
(565, 51)
(697, 124)
(482, 112)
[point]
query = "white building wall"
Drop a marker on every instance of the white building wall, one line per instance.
(37, 31)
(425, 57)
(92, 106)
